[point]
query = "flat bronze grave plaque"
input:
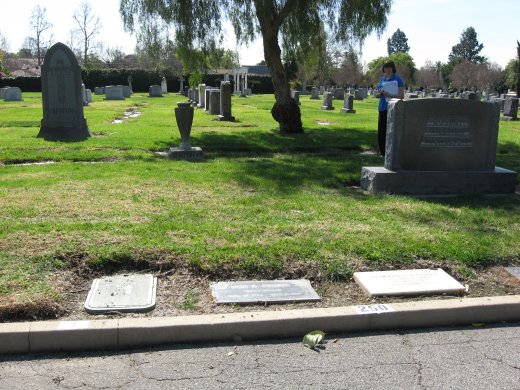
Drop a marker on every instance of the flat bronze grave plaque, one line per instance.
(272, 291)
(123, 293)
(515, 271)
(407, 282)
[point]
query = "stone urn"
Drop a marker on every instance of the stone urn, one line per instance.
(184, 117)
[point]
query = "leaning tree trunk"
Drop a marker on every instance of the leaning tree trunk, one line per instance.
(285, 110)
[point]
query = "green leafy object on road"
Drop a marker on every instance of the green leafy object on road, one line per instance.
(313, 338)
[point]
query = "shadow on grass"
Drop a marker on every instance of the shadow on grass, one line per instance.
(508, 156)
(8, 124)
(285, 163)
(314, 139)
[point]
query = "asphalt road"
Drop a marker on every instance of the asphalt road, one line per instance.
(485, 357)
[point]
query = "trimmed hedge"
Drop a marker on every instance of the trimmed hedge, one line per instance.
(141, 80)
(26, 84)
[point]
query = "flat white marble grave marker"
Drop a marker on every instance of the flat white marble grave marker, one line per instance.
(515, 271)
(123, 293)
(273, 291)
(407, 282)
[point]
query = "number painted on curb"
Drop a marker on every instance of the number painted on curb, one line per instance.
(373, 309)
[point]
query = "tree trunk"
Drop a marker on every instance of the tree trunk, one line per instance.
(518, 69)
(285, 110)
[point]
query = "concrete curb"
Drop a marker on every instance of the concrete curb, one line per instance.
(51, 336)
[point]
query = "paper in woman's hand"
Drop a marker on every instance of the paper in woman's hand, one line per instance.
(391, 88)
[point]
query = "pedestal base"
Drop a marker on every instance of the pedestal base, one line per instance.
(347, 111)
(193, 154)
(327, 108)
(225, 118)
(380, 179)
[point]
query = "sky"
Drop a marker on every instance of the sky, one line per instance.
(431, 26)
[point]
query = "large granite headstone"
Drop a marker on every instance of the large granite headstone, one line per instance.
(440, 146)
(225, 102)
(63, 117)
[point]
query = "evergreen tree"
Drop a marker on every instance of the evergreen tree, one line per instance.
(468, 48)
(397, 43)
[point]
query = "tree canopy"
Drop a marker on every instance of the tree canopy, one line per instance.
(397, 43)
(468, 48)
(404, 64)
(198, 24)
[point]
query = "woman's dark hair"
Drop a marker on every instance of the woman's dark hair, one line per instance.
(389, 64)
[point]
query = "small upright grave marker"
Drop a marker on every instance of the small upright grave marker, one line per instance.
(327, 101)
(225, 102)
(114, 92)
(510, 109)
(155, 91)
(272, 291)
(348, 105)
(407, 282)
(12, 94)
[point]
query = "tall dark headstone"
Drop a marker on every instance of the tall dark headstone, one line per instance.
(225, 102)
(63, 117)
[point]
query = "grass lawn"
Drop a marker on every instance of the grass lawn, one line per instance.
(260, 203)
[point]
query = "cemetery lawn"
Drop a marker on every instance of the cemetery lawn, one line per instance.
(260, 205)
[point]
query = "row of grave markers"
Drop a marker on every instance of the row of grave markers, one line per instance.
(137, 292)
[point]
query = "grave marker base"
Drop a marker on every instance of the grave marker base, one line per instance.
(226, 118)
(380, 179)
(193, 154)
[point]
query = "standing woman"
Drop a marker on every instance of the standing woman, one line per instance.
(390, 87)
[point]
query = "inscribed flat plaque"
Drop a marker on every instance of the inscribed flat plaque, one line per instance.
(273, 291)
(124, 293)
(407, 282)
(515, 271)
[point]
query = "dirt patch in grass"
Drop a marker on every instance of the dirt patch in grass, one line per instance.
(184, 289)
